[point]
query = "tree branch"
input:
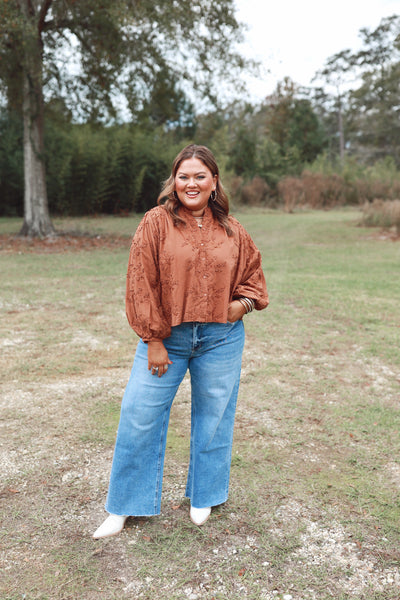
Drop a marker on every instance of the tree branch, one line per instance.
(53, 25)
(43, 12)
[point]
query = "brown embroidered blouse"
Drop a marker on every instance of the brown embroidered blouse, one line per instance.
(184, 273)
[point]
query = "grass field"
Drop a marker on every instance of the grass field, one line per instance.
(314, 507)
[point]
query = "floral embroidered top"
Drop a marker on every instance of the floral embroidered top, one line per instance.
(182, 273)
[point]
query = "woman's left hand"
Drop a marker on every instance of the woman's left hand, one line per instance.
(236, 310)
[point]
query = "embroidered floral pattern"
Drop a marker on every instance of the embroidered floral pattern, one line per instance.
(185, 273)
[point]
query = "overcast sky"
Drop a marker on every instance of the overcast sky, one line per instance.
(294, 38)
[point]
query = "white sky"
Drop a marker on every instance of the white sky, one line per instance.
(295, 37)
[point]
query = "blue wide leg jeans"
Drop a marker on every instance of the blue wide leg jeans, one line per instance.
(213, 354)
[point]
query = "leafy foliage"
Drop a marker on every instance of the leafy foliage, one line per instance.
(337, 143)
(375, 104)
(276, 139)
(362, 108)
(111, 170)
(144, 51)
(11, 164)
(95, 56)
(90, 169)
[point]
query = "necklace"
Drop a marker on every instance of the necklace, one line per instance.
(199, 221)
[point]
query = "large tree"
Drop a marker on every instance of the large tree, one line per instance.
(101, 56)
(291, 122)
(374, 111)
(337, 75)
(366, 94)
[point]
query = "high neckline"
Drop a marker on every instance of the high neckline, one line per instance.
(191, 220)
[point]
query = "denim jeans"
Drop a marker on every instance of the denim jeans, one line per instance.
(213, 354)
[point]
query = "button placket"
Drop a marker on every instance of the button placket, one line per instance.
(203, 276)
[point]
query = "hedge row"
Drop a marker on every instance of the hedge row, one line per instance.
(89, 170)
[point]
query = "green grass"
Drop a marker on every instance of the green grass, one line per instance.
(314, 506)
(100, 225)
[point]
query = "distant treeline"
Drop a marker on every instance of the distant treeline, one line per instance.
(120, 169)
(297, 147)
(323, 146)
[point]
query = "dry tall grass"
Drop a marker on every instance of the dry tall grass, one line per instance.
(255, 192)
(382, 213)
(320, 190)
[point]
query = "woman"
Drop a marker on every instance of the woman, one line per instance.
(193, 273)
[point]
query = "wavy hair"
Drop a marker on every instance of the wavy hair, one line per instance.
(219, 206)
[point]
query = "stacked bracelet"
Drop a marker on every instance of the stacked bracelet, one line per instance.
(248, 304)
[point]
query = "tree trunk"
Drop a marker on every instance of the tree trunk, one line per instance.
(340, 127)
(37, 222)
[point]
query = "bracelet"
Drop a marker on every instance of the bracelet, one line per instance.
(247, 303)
(252, 303)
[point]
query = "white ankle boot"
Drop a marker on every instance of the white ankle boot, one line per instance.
(112, 525)
(199, 515)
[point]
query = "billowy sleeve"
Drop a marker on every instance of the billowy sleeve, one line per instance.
(249, 278)
(143, 289)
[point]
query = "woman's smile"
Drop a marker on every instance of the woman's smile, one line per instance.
(194, 183)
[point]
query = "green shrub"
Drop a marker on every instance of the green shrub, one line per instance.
(11, 165)
(113, 170)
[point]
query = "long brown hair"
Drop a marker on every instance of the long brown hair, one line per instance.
(219, 205)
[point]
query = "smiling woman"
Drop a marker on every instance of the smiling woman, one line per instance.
(193, 273)
(194, 184)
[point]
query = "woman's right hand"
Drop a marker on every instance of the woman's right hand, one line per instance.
(157, 358)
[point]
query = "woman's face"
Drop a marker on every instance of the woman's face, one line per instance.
(194, 183)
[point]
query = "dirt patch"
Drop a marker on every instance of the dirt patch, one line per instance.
(61, 243)
(383, 235)
(56, 476)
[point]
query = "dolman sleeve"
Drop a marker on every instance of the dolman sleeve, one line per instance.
(143, 291)
(249, 280)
